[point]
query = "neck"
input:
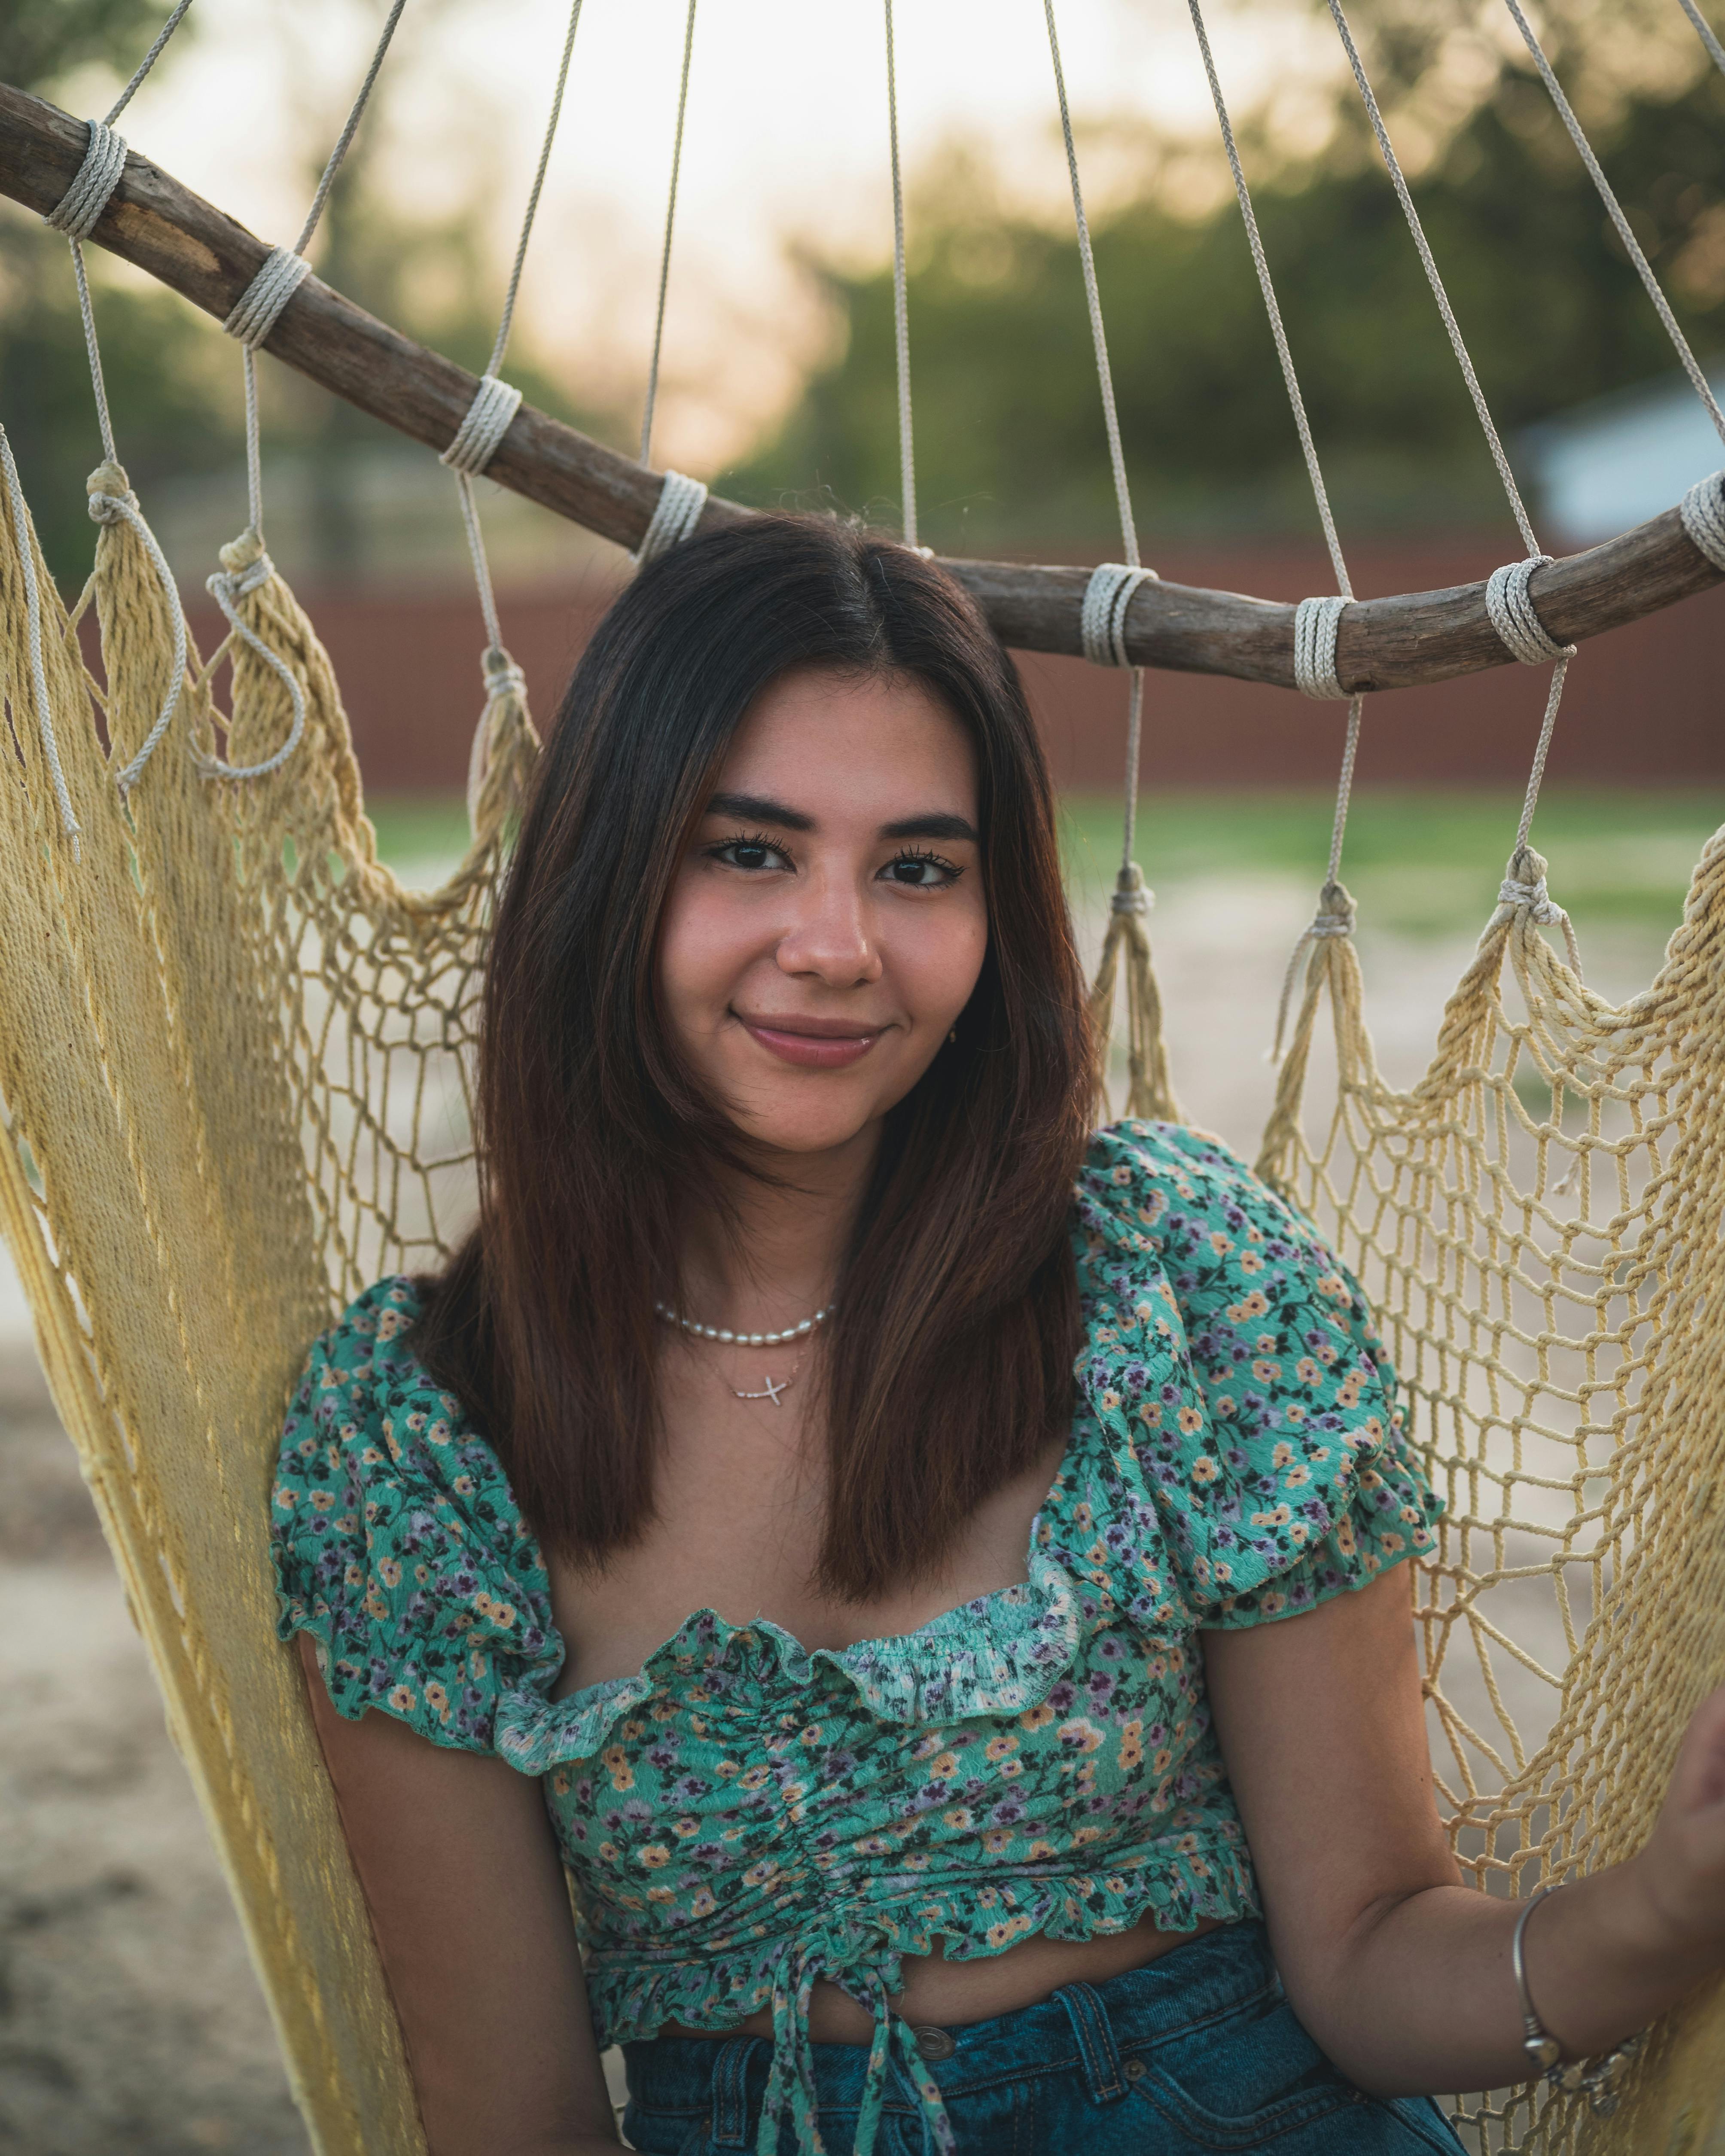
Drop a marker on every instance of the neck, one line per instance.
(774, 1259)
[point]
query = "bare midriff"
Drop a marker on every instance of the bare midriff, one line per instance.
(949, 1994)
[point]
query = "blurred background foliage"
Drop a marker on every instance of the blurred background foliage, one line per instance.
(1010, 449)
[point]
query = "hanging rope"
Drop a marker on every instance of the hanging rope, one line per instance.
(1511, 610)
(1107, 597)
(111, 499)
(900, 305)
(1317, 621)
(670, 221)
(1704, 31)
(1614, 209)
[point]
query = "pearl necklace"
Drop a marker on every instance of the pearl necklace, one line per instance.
(746, 1339)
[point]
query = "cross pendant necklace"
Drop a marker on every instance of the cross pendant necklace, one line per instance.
(772, 1392)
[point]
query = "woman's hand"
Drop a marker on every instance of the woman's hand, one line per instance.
(1681, 1868)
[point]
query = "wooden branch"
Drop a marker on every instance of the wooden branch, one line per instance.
(154, 222)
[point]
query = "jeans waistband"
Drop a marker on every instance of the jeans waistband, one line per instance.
(1082, 2023)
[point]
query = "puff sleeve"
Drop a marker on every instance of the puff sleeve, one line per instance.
(1249, 1406)
(397, 1545)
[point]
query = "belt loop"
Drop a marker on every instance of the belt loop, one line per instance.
(1097, 2047)
(731, 2091)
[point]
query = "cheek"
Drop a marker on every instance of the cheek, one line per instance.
(935, 956)
(705, 947)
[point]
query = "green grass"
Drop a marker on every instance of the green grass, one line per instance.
(1418, 861)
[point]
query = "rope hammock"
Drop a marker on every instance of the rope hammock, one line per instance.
(235, 1055)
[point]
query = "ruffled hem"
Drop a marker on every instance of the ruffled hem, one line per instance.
(633, 1994)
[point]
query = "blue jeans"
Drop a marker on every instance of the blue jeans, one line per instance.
(1199, 2052)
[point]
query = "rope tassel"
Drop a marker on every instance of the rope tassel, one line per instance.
(1149, 1092)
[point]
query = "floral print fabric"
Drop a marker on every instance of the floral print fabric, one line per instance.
(744, 1815)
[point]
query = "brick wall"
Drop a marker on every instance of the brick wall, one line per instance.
(1646, 704)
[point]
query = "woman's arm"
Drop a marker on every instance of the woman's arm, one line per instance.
(1401, 1974)
(456, 1853)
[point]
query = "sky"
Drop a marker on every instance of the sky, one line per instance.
(786, 148)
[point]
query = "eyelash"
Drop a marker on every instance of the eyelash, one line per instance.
(757, 841)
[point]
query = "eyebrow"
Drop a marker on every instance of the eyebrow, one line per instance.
(762, 808)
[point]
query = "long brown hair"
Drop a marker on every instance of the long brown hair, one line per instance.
(950, 1362)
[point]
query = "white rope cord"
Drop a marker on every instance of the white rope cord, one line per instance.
(900, 305)
(1702, 511)
(226, 588)
(1128, 888)
(1625, 231)
(1704, 31)
(670, 221)
(79, 209)
(1316, 623)
(1116, 454)
(1512, 616)
(260, 307)
(1519, 625)
(489, 416)
(1101, 620)
(110, 500)
(675, 514)
(33, 621)
(1428, 262)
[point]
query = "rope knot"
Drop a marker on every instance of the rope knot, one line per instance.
(1132, 894)
(1702, 511)
(488, 419)
(79, 211)
(1525, 885)
(258, 307)
(1336, 911)
(243, 553)
(674, 516)
(1511, 609)
(503, 677)
(1101, 620)
(111, 495)
(1316, 623)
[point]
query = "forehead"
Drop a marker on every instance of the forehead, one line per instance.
(816, 739)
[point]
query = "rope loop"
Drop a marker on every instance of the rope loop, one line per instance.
(1512, 610)
(1336, 911)
(111, 501)
(258, 307)
(246, 566)
(1702, 511)
(502, 676)
(489, 418)
(79, 211)
(1132, 894)
(1315, 623)
(1107, 599)
(675, 514)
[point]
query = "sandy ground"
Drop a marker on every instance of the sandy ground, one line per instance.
(129, 2020)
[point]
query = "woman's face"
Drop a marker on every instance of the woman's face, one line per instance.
(828, 922)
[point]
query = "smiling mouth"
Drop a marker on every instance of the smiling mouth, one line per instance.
(812, 1044)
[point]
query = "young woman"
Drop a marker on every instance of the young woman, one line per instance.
(931, 1576)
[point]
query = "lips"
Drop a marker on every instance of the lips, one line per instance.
(813, 1044)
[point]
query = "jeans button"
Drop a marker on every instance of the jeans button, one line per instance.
(1135, 2070)
(935, 2043)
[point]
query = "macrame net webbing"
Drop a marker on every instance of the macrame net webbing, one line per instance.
(233, 1089)
(1538, 1222)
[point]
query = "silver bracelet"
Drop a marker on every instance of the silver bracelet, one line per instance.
(1597, 2080)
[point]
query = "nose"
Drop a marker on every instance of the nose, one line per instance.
(828, 937)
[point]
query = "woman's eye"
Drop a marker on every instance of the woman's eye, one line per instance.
(921, 871)
(750, 854)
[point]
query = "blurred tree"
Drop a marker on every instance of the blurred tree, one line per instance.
(1009, 441)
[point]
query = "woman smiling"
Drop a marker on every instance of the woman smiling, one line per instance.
(929, 1575)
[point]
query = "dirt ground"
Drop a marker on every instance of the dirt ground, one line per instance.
(130, 2024)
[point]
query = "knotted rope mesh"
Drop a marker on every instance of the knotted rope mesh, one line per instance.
(233, 1089)
(1538, 1222)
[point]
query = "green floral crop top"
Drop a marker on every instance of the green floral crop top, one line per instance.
(744, 1816)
